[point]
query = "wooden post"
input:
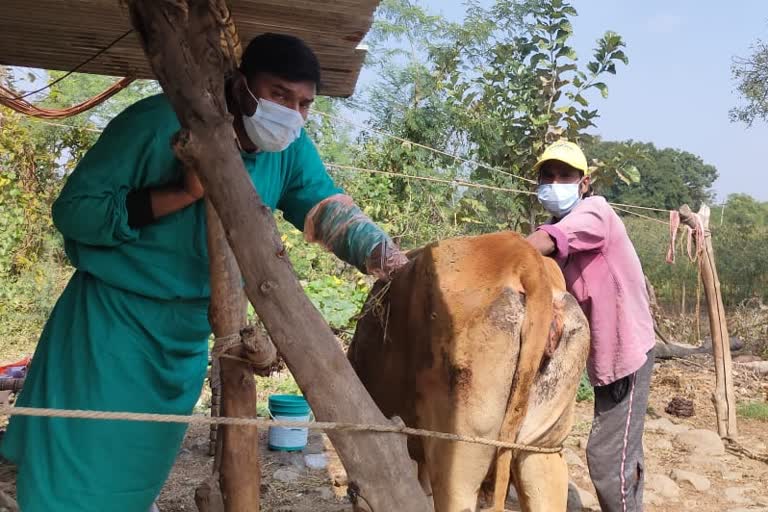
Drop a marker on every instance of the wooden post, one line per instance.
(214, 381)
(724, 397)
(182, 41)
(237, 454)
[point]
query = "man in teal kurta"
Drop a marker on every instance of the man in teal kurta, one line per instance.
(130, 331)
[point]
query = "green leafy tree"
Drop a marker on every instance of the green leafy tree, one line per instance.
(494, 88)
(521, 86)
(406, 103)
(751, 77)
(671, 177)
(742, 211)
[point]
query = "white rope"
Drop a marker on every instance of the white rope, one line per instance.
(618, 206)
(422, 146)
(640, 215)
(454, 182)
(256, 422)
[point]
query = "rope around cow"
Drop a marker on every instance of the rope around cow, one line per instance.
(255, 422)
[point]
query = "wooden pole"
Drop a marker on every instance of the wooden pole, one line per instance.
(237, 454)
(182, 42)
(682, 302)
(214, 381)
(724, 396)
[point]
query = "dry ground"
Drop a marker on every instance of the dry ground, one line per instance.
(737, 484)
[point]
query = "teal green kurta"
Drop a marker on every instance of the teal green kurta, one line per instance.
(130, 331)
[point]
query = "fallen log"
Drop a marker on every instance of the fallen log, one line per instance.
(758, 367)
(670, 349)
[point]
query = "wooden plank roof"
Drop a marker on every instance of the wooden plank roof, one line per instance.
(61, 34)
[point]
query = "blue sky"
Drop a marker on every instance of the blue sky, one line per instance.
(677, 89)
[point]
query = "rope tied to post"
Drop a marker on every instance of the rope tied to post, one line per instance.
(259, 351)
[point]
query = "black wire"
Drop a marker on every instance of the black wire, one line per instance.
(79, 66)
(353, 492)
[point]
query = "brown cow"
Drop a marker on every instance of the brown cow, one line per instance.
(465, 339)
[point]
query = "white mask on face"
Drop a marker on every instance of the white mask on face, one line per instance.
(272, 127)
(559, 198)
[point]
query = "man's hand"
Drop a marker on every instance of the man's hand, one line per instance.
(385, 260)
(172, 198)
(192, 185)
(542, 242)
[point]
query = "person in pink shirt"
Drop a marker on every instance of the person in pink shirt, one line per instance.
(602, 271)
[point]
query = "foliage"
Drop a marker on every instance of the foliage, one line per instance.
(81, 86)
(30, 165)
(520, 86)
(671, 177)
(27, 299)
(585, 393)
(278, 384)
(336, 289)
(743, 211)
(34, 156)
(338, 300)
(741, 255)
(751, 77)
(749, 322)
(493, 88)
(753, 410)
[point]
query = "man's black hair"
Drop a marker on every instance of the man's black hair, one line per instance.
(285, 56)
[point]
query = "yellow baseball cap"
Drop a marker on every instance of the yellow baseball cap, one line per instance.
(566, 152)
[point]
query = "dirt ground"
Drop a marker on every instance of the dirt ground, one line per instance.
(735, 484)
(731, 477)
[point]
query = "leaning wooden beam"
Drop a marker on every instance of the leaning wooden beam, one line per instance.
(724, 396)
(182, 42)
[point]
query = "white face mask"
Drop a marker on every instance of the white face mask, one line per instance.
(559, 198)
(272, 127)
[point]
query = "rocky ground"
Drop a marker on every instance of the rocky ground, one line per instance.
(688, 467)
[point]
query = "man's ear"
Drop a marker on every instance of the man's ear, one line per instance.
(240, 100)
(584, 187)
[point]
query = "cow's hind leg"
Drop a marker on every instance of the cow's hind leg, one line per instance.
(426, 485)
(457, 471)
(541, 481)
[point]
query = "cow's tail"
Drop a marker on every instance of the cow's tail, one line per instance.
(535, 334)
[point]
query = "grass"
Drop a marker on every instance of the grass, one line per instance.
(586, 392)
(279, 384)
(753, 410)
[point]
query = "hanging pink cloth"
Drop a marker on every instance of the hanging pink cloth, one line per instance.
(674, 223)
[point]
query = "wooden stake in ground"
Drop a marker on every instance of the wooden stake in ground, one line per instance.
(237, 455)
(724, 396)
(182, 41)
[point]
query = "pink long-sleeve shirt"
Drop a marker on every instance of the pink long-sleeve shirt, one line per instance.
(602, 271)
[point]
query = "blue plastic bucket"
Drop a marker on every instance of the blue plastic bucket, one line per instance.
(288, 408)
